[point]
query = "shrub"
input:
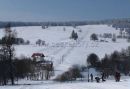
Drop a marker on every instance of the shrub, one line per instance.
(70, 75)
(94, 37)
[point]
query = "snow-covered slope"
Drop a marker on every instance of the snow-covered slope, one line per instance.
(65, 52)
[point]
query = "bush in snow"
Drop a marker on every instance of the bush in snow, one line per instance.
(27, 42)
(17, 41)
(40, 42)
(107, 35)
(94, 37)
(72, 74)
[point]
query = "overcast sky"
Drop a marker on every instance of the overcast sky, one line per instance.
(63, 10)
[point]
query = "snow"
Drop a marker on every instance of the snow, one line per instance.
(109, 84)
(65, 52)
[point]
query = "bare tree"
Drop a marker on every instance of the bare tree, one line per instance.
(7, 45)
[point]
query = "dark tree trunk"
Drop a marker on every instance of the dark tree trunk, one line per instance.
(11, 66)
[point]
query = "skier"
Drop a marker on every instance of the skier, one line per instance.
(97, 79)
(91, 75)
(103, 77)
(117, 76)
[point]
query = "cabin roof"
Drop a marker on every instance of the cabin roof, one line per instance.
(38, 54)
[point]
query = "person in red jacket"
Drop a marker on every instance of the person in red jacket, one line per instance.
(117, 76)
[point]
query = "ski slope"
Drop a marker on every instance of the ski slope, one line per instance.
(65, 52)
(62, 50)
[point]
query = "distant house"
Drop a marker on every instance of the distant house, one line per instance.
(40, 60)
(43, 68)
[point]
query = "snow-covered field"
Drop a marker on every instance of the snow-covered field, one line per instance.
(65, 52)
(109, 84)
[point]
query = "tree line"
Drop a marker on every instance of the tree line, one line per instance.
(117, 23)
(12, 68)
(110, 63)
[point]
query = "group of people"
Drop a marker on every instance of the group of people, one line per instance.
(103, 77)
(97, 78)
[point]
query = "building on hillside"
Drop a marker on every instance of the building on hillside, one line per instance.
(43, 68)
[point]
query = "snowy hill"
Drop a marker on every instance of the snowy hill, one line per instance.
(62, 50)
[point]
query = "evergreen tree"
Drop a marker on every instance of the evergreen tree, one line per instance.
(93, 60)
(94, 37)
(74, 35)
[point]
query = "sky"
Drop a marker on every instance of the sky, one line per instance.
(63, 10)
